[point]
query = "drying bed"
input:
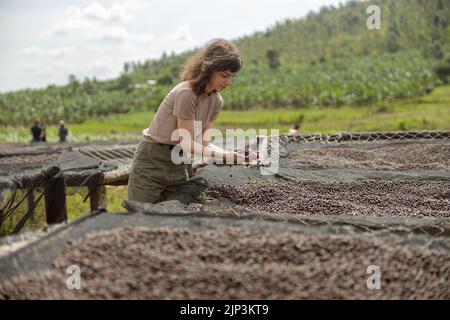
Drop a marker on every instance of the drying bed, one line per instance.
(162, 257)
(358, 198)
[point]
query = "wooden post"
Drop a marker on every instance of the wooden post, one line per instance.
(97, 197)
(30, 204)
(55, 200)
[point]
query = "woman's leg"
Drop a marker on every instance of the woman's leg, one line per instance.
(148, 175)
(184, 187)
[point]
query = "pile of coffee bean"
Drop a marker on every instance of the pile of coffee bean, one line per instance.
(362, 198)
(237, 263)
(27, 159)
(405, 157)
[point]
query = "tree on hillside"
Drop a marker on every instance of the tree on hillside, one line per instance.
(89, 86)
(392, 38)
(442, 70)
(125, 82)
(166, 77)
(273, 57)
(126, 68)
(73, 84)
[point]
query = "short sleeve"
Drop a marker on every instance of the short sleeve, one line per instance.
(185, 104)
(217, 108)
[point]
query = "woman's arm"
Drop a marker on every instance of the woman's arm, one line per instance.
(251, 157)
(204, 149)
(206, 138)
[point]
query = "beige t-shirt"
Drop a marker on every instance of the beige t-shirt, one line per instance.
(182, 102)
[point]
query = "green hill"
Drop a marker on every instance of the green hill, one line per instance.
(328, 58)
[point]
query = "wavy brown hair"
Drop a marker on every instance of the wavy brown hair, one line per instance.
(218, 55)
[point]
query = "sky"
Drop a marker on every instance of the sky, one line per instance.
(45, 41)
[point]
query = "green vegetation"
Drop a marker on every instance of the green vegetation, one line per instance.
(429, 112)
(75, 209)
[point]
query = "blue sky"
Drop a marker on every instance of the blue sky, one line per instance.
(45, 41)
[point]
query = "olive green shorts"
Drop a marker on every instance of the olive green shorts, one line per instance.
(154, 177)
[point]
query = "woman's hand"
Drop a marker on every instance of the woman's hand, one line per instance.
(234, 157)
(252, 157)
(237, 157)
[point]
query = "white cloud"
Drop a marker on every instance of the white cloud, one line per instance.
(121, 35)
(59, 52)
(182, 34)
(114, 34)
(134, 5)
(77, 18)
(74, 20)
(144, 39)
(95, 22)
(104, 68)
(29, 68)
(117, 12)
(93, 48)
(34, 51)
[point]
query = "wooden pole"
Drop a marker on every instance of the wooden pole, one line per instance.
(30, 204)
(55, 201)
(97, 197)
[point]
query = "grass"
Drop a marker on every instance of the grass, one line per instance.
(75, 208)
(431, 112)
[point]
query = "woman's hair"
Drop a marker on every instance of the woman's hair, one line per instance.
(218, 55)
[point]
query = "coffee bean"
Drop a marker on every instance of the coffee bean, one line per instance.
(362, 198)
(236, 263)
(430, 156)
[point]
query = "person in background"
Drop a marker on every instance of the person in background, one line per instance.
(63, 132)
(294, 130)
(36, 131)
(43, 137)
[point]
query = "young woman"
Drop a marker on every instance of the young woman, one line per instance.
(154, 177)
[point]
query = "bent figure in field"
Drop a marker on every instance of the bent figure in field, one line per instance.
(154, 176)
(295, 130)
(62, 132)
(36, 131)
(43, 136)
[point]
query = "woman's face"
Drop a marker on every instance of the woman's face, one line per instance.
(221, 80)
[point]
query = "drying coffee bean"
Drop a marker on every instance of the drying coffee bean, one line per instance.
(429, 156)
(236, 263)
(363, 198)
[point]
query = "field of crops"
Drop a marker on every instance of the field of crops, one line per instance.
(352, 81)
(429, 112)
